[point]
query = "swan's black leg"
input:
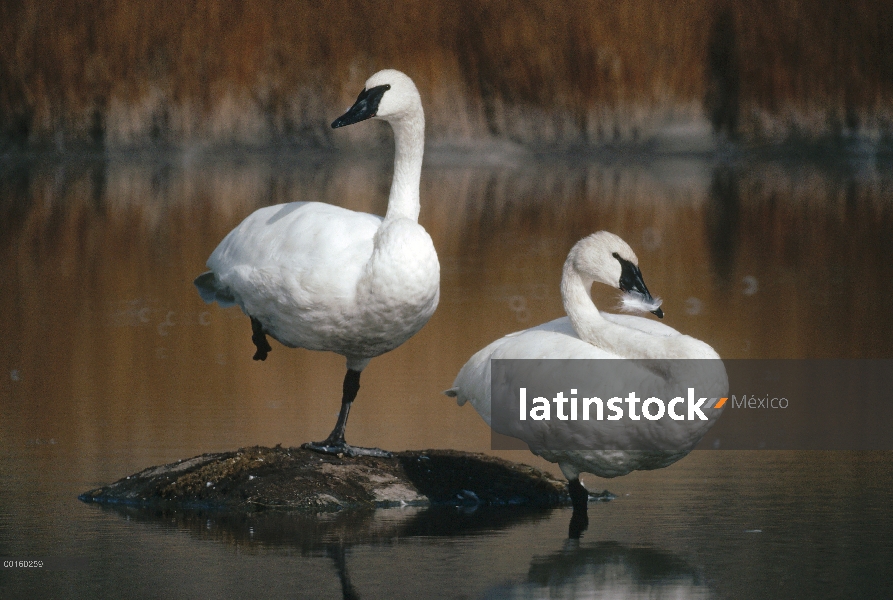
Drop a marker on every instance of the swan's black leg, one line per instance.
(335, 444)
(580, 502)
(260, 340)
(349, 394)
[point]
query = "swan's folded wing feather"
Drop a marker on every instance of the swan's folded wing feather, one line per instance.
(555, 339)
(645, 325)
(314, 250)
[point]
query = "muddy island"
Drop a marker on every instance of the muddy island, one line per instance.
(259, 478)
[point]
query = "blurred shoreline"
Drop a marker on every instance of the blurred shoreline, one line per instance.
(577, 76)
(852, 155)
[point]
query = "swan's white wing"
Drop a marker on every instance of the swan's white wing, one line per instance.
(299, 258)
(321, 246)
(649, 326)
(555, 339)
(645, 325)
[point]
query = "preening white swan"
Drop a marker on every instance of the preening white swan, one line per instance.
(320, 277)
(587, 333)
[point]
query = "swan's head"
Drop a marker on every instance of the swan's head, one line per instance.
(606, 258)
(389, 95)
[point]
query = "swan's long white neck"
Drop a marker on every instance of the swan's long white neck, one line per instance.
(594, 329)
(409, 139)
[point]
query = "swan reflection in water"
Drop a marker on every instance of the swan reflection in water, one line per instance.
(607, 570)
(595, 569)
(334, 535)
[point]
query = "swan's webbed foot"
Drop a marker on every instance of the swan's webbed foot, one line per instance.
(335, 444)
(580, 501)
(260, 340)
(345, 449)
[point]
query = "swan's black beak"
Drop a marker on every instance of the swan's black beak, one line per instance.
(631, 281)
(364, 108)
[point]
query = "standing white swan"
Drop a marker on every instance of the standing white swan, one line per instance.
(587, 333)
(320, 277)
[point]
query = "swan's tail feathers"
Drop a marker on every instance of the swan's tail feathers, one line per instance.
(211, 291)
(454, 393)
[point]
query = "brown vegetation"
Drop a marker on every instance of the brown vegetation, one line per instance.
(132, 73)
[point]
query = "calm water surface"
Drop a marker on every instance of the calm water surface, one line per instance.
(110, 363)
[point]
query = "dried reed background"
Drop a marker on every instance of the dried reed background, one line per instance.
(120, 74)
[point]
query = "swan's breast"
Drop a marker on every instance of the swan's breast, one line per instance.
(400, 287)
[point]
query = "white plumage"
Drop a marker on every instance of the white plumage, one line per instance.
(587, 333)
(316, 276)
(630, 302)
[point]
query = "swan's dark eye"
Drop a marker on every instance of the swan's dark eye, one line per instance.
(615, 255)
